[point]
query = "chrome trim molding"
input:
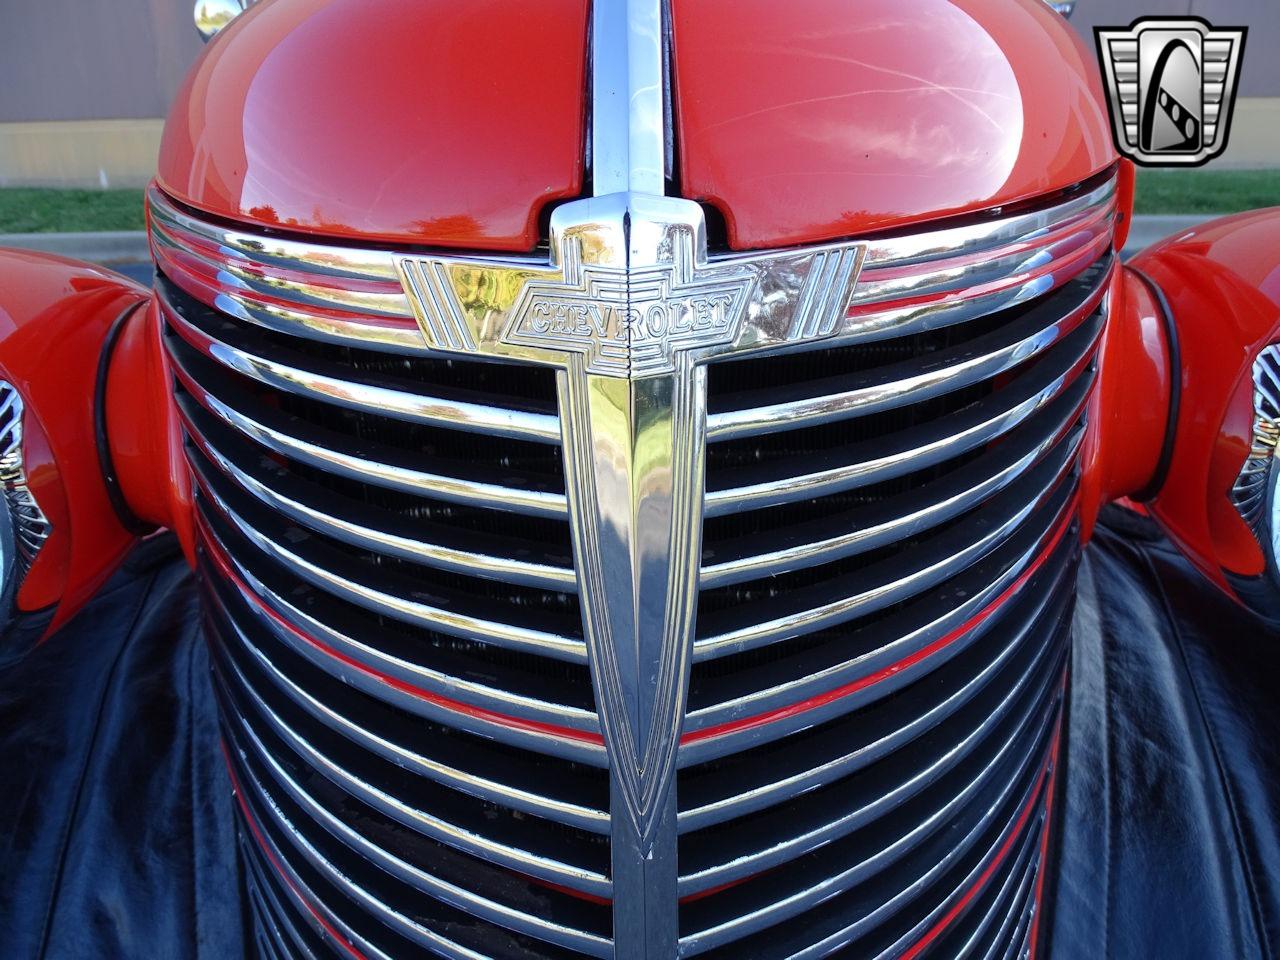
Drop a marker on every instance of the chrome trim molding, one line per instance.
(27, 526)
(628, 90)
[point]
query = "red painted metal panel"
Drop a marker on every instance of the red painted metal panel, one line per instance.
(1128, 418)
(1222, 281)
(54, 317)
(431, 122)
(810, 120)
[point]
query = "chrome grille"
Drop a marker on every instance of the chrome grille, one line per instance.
(407, 707)
(888, 564)
(888, 551)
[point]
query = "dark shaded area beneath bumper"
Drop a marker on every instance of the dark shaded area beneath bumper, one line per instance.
(1169, 844)
(119, 836)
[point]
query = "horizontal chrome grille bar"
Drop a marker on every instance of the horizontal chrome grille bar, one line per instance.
(1012, 900)
(486, 788)
(925, 508)
(421, 821)
(919, 378)
(860, 811)
(325, 919)
(910, 576)
(928, 445)
(1014, 853)
(966, 825)
(334, 263)
(355, 395)
(421, 881)
(275, 438)
(379, 539)
(829, 682)
(901, 318)
(286, 941)
(326, 931)
(883, 281)
(400, 607)
(761, 786)
(977, 239)
(452, 699)
(376, 317)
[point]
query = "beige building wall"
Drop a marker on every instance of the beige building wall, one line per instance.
(84, 87)
(1255, 135)
(79, 153)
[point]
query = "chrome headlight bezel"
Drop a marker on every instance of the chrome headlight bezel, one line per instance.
(24, 528)
(1256, 491)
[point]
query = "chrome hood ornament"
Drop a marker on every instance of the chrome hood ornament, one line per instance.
(628, 307)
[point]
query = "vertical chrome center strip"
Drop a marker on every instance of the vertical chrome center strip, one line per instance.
(634, 450)
(627, 97)
(629, 309)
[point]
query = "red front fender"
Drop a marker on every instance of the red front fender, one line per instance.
(1220, 285)
(55, 317)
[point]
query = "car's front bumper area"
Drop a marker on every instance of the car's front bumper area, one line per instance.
(1166, 843)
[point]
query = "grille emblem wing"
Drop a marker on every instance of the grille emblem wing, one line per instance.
(628, 309)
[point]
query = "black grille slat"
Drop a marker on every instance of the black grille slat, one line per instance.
(736, 539)
(459, 880)
(364, 916)
(552, 612)
(820, 661)
(855, 890)
(911, 563)
(382, 513)
(987, 922)
(736, 385)
(830, 813)
(272, 672)
(413, 390)
(364, 437)
(523, 676)
(911, 440)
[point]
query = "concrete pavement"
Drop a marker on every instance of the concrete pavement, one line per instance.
(109, 248)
